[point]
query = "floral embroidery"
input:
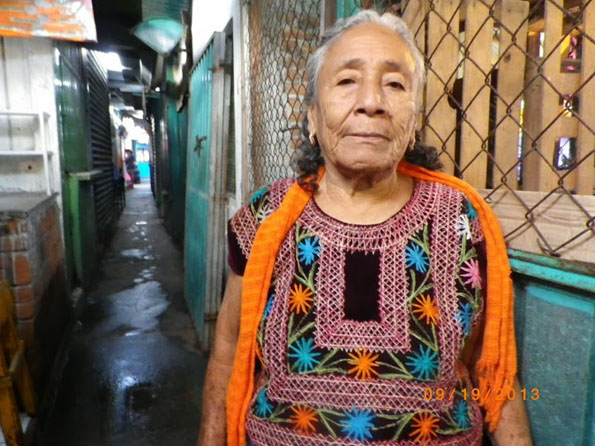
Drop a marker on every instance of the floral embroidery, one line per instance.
(415, 256)
(463, 317)
(303, 351)
(427, 308)
(461, 414)
(258, 194)
(470, 272)
(463, 227)
(424, 363)
(424, 425)
(300, 299)
(269, 306)
(303, 418)
(263, 212)
(263, 407)
(471, 211)
(308, 250)
(364, 363)
(357, 424)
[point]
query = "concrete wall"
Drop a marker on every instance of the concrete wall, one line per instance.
(27, 83)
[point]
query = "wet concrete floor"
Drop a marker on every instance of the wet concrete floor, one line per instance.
(134, 371)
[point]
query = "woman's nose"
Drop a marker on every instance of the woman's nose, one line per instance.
(371, 99)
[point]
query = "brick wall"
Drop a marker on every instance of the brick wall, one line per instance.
(31, 252)
(32, 261)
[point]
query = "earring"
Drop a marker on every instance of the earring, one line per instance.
(312, 139)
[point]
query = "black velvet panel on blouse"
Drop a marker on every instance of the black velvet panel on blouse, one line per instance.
(361, 279)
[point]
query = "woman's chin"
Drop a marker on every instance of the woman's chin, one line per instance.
(357, 167)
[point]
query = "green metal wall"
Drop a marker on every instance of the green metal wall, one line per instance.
(555, 326)
(160, 145)
(197, 187)
(177, 135)
(208, 126)
(346, 8)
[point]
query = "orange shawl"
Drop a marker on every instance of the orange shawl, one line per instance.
(496, 367)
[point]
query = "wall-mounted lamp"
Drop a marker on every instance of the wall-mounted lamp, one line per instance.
(161, 34)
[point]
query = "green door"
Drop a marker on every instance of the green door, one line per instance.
(75, 160)
(205, 225)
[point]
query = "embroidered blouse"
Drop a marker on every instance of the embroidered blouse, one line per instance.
(364, 326)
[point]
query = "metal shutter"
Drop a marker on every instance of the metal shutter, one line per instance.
(101, 146)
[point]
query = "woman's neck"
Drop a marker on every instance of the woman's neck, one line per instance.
(365, 198)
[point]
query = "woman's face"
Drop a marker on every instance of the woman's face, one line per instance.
(364, 115)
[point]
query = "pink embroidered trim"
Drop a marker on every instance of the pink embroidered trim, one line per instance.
(245, 225)
(370, 238)
(446, 246)
(334, 331)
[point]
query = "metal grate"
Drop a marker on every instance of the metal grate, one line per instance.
(106, 212)
(282, 34)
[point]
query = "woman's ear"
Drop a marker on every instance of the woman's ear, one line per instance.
(312, 119)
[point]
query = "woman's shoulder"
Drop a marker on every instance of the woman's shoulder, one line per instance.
(261, 204)
(267, 199)
(454, 190)
(467, 215)
(272, 193)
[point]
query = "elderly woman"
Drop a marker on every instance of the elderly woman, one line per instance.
(369, 300)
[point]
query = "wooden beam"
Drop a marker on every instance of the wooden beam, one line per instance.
(512, 14)
(442, 51)
(479, 27)
(547, 178)
(585, 172)
(414, 15)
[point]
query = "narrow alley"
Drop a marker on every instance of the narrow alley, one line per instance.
(134, 372)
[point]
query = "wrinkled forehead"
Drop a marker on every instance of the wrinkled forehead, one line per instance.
(369, 43)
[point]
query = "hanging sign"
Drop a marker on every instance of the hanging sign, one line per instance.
(57, 19)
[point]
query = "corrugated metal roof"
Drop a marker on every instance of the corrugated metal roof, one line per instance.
(164, 8)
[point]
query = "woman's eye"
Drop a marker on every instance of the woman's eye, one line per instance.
(396, 85)
(346, 81)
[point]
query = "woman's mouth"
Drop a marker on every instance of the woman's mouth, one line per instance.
(368, 135)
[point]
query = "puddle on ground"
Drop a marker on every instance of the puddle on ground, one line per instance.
(137, 254)
(145, 275)
(135, 310)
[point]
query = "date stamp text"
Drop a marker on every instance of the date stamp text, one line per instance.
(475, 394)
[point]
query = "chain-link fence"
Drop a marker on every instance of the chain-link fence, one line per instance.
(509, 103)
(282, 34)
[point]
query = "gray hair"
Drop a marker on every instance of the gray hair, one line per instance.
(387, 20)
